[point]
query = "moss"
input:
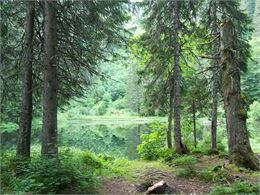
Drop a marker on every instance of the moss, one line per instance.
(242, 113)
(236, 168)
(226, 79)
(245, 159)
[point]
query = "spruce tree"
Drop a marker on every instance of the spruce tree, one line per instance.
(237, 29)
(168, 25)
(50, 91)
(240, 151)
(24, 137)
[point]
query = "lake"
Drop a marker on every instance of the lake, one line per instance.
(118, 137)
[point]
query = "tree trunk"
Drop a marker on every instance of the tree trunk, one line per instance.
(180, 148)
(240, 151)
(1, 90)
(194, 123)
(214, 62)
(169, 130)
(49, 128)
(24, 136)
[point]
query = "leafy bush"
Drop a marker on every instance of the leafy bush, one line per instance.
(238, 187)
(153, 143)
(91, 160)
(105, 158)
(119, 104)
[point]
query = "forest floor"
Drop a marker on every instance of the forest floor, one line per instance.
(193, 184)
(120, 185)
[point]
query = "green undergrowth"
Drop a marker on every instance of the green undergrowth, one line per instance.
(203, 168)
(72, 172)
(8, 127)
(132, 170)
(228, 178)
(187, 164)
(153, 145)
(75, 171)
(238, 187)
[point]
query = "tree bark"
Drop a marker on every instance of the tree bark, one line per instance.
(24, 135)
(49, 128)
(1, 90)
(240, 151)
(214, 62)
(169, 130)
(194, 123)
(180, 148)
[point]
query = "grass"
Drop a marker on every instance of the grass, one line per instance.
(185, 160)
(186, 166)
(189, 166)
(113, 167)
(185, 172)
(132, 170)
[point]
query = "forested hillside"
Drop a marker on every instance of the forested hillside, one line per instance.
(130, 96)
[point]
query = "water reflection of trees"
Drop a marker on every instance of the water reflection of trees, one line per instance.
(116, 140)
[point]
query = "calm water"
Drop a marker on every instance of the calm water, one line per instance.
(117, 139)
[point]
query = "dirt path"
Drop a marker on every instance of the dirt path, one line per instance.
(152, 173)
(119, 185)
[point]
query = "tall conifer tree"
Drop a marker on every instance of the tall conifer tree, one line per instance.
(168, 25)
(24, 136)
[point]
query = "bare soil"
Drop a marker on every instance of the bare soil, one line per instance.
(193, 185)
(120, 185)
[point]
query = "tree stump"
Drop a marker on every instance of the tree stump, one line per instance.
(160, 187)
